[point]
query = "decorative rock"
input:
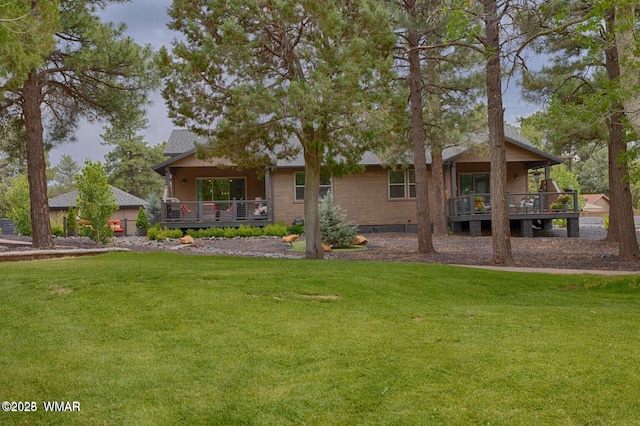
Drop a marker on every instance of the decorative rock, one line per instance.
(290, 238)
(360, 240)
(187, 239)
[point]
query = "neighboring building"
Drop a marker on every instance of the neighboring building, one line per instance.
(595, 204)
(128, 206)
(201, 193)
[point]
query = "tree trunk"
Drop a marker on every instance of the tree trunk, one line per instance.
(612, 232)
(312, 235)
(500, 231)
(425, 240)
(619, 175)
(627, 46)
(440, 199)
(36, 163)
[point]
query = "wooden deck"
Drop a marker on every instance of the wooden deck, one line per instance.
(216, 214)
(472, 211)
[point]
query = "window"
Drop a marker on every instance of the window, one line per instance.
(477, 183)
(402, 184)
(220, 189)
(325, 186)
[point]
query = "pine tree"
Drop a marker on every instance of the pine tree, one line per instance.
(275, 80)
(336, 231)
(92, 71)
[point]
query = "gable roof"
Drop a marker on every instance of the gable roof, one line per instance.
(182, 143)
(594, 198)
(123, 199)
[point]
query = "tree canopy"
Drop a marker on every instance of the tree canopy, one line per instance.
(27, 31)
(92, 71)
(268, 80)
(128, 164)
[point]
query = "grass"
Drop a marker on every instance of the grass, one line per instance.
(162, 338)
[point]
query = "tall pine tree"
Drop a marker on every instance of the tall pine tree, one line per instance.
(92, 71)
(268, 80)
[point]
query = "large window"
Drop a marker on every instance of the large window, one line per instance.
(402, 184)
(477, 183)
(325, 186)
(220, 189)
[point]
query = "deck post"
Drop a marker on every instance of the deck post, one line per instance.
(526, 228)
(573, 227)
(267, 192)
(475, 228)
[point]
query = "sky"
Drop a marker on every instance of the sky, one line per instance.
(146, 22)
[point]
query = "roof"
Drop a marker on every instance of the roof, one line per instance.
(182, 143)
(123, 199)
(594, 198)
(512, 135)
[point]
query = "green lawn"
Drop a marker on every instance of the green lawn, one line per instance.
(163, 338)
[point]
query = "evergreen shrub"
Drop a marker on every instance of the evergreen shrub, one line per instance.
(336, 231)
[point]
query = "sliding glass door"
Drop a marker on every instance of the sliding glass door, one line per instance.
(220, 189)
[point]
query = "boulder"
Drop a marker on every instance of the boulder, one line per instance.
(359, 240)
(290, 238)
(187, 239)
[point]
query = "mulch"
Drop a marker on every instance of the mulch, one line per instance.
(545, 250)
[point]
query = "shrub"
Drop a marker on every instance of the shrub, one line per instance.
(57, 230)
(154, 232)
(72, 224)
(173, 233)
(19, 204)
(560, 223)
(141, 220)
(159, 234)
(276, 230)
(295, 229)
(248, 231)
(335, 229)
(218, 232)
(153, 208)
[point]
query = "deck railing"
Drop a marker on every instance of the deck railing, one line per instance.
(519, 203)
(226, 211)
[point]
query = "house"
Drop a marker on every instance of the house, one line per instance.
(595, 204)
(128, 206)
(204, 193)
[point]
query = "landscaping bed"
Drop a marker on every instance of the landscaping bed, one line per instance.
(547, 249)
